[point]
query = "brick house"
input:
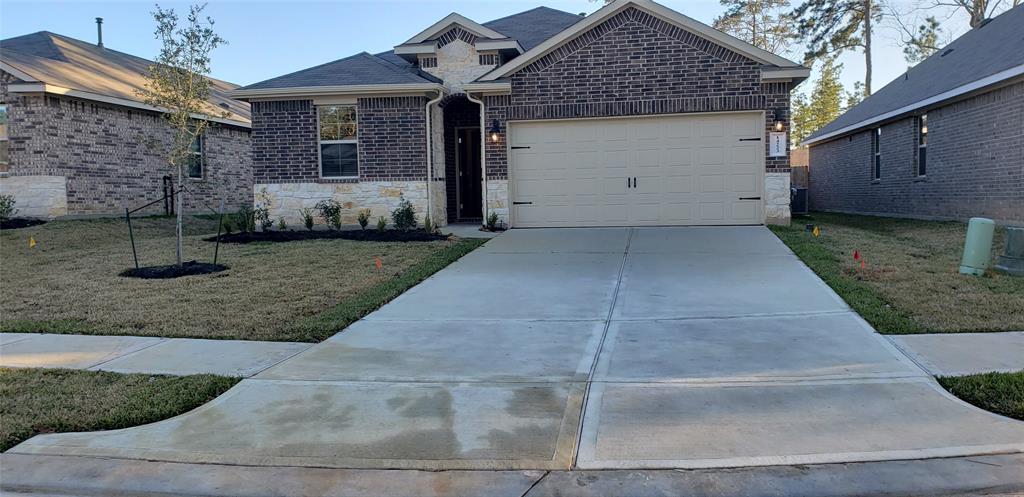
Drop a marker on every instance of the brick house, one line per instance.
(77, 139)
(943, 141)
(633, 115)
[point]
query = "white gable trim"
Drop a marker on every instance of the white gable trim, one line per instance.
(468, 24)
(660, 11)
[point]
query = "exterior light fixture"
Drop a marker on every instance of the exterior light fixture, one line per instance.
(779, 123)
(495, 130)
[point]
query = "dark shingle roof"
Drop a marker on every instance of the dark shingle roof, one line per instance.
(534, 26)
(359, 69)
(69, 63)
(989, 49)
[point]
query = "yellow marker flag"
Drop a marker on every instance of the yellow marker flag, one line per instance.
(816, 232)
(31, 242)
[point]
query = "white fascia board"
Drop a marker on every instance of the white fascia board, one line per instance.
(17, 73)
(416, 49)
(772, 74)
(508, 44)
(453, 18)
(946, 95)
(309, 91)
(124, 102)
(664, 13)
(489, 87)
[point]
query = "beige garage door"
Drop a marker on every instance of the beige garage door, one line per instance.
(672, 170)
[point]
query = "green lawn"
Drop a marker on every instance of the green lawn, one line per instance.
(1001, 393)
(61, 400)
(295, 291)
(910, 281)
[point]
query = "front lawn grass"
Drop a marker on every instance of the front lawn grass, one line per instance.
(910, 281)
(303, 290)
(39, 401)
(1001, 393)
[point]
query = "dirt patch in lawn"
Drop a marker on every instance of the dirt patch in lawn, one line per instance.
(357, 235)
(189, 268)
(18, 223)
(39, 401)
(902, 274)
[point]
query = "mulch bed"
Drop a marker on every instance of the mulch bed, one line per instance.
(173, 271)
(20, 222)
(359, 235)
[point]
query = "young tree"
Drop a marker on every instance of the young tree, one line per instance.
(177, 85)
(765, 24)
(825, 103)
(830, 27)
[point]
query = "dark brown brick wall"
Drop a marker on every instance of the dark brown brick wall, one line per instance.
(975, 164)
(391, 134)
(112, 156)
(634, 64)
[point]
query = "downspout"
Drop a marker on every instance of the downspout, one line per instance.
(430, 154)
(483, 155)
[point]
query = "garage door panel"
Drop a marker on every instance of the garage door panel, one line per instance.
(689, 169)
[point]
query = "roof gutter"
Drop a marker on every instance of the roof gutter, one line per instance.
(946, 95)
(124, 102)
(310, 91)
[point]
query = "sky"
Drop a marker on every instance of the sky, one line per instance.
(269, 38)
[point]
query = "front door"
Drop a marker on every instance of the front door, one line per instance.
(468, 170)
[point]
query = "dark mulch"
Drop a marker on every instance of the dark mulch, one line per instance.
(173, 270)
(359, 235)
(20, 222)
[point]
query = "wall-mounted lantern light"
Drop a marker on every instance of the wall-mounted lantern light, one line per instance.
(777, 115)
(495, 130)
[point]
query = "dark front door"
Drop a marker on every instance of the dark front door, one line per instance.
(468, 169)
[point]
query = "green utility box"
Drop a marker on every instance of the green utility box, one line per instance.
(977, 246)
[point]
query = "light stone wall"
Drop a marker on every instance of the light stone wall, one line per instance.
(439, 206)
(381, 197)
(457, 64)
(497, 199)
(37, 196)
(776, 190)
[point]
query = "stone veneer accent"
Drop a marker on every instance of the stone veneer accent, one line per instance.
(458, 62)
(37, 196)
(110, 156)
(777, 196)
(381, 197)
(497, 199)
(975, 164)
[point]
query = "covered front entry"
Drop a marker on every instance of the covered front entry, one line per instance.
(463, 183)
(693, 169)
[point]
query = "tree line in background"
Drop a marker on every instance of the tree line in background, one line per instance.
(825, 29)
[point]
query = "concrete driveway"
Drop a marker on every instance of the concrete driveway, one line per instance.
(589, 348)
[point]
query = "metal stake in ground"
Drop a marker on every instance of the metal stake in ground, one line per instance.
(131, 236)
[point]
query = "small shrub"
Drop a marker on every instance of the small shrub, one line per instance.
(245, 219)
(492, 221)
(263, 216)
(428, 225)
(282, 224)
(225, 226)
(382, 223)
(307, 217)
(363, 217)
(404, 216)
(330, 212)
(7, 209)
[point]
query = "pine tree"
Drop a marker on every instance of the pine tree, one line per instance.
(766, 24)
(825, 103)
(830, 27)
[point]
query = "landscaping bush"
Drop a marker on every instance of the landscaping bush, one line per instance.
(404, 216)
(363, 218)
(427, 225)
(330, 212)
(382, 223)
(282, 224)
(492, 221)
(7, 210)
(307, 217)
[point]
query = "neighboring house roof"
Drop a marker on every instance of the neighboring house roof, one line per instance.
(359, 69)
(534, 26)
(77, 68)
(984, 56)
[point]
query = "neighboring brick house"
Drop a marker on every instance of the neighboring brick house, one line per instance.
(943, 141)
(78, 140)
(633, 115)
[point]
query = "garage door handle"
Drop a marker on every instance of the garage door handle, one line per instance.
(518, 148)
(522, 203)
(750, 198)
(750, 139)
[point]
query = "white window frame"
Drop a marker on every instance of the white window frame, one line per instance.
(319, 142)
(201, 138)
(876, 154)
(922, 145)
(4, 137)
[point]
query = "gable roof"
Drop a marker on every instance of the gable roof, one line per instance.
(534, 26)
(656, 9)
(52, 61)
(984, 56)
(359, 69)
(441, 26)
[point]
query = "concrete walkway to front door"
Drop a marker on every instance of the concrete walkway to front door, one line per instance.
(589, 348)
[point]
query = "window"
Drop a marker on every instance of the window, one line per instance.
(196, 158)
(339, 156)
(426, 62)
(922, 144)
(488, 59)
(3, 138)
(876, 149)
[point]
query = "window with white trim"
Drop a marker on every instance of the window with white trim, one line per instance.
(922, 144)
(876, 149)
(339, 155)
(197, 157)
(3, 138)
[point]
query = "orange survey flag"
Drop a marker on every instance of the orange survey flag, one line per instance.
(378, 263)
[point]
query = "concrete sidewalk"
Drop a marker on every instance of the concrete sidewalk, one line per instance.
(128, 354)
(958, 354)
